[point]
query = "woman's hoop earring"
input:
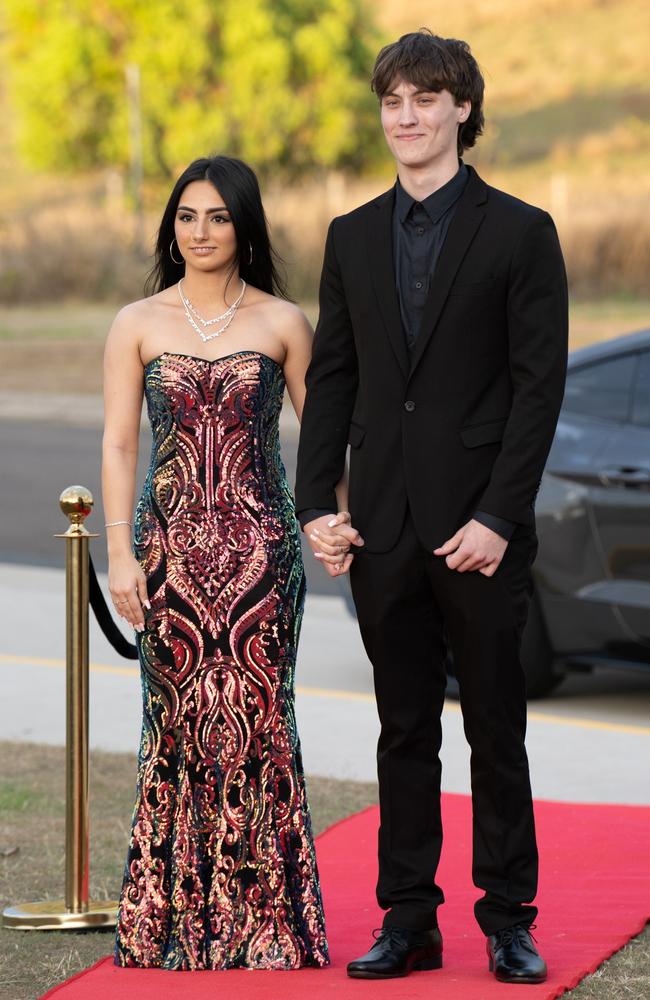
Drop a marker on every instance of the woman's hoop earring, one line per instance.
(171, 253)
(250, 253)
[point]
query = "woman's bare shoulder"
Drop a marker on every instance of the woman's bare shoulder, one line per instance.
(134, 314)
(286, 314)
(282, 317)
(292, 327)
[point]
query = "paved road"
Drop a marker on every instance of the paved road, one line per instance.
(41, 457)
(583, 747)
(589, 742)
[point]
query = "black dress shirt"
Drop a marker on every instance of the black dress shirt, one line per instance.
(419, 231)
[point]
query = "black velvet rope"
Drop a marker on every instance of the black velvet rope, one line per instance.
(105, 618)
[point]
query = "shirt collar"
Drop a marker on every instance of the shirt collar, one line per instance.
(437, 203)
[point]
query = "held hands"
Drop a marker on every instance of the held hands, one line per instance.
(330, 538)
(128, 586)
(474, 547)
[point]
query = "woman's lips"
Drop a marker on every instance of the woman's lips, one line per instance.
(202, 251)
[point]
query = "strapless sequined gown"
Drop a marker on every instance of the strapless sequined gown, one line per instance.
(220, 871)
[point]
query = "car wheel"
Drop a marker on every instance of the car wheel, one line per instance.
(536, 658)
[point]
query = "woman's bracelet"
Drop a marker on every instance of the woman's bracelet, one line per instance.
(111, 524)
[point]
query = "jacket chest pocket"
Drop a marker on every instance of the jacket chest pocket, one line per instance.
(475, 289)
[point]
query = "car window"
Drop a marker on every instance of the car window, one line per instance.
(641, 401)
(603, 389)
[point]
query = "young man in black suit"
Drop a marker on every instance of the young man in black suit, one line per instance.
(440, 357)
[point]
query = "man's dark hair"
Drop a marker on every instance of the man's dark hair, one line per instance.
(429, 62)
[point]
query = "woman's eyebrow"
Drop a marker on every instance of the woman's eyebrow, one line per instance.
(186, 208)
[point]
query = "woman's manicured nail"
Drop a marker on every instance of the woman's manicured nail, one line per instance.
(147, 605)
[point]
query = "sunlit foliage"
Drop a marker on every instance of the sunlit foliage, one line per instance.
(283, 83)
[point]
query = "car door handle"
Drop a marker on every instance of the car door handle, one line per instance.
(626, 475)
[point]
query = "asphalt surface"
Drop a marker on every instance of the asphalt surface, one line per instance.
(584, 745)
(589, 742)
(41, 457)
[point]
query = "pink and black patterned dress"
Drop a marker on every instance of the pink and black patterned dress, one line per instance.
(221, 871)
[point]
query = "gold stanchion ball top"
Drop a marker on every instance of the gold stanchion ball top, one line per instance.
(76, 502)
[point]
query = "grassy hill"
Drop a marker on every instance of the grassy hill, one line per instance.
(568, 128)
(567, 84)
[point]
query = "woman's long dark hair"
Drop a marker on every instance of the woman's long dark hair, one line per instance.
(238, 186)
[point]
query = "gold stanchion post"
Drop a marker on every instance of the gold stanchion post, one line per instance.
(76, 910)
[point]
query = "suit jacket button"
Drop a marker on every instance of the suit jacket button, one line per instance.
(409, 406)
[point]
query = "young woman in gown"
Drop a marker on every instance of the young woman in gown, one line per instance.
(220, 871)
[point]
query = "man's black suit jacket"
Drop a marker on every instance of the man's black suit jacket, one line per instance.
(466, 422)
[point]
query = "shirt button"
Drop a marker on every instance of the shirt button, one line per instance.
(420, 231)
(418, 284)
(409, 406)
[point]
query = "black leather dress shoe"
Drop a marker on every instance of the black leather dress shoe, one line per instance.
(513, 957)
(398, 951)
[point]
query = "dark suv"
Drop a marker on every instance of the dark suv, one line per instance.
(591, 604)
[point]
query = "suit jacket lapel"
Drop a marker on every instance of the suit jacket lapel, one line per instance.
(464, 226)
(380, 258)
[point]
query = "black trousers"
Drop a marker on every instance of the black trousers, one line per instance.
(409, 604)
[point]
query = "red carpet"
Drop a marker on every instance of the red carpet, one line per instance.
(594, 896)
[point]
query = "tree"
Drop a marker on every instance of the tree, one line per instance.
(281, 83)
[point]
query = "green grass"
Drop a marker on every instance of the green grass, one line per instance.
(21, 798)
(59, 350)
(32, 962)
(84, 322)
(626, 976)
(592, 322)
(63, 321)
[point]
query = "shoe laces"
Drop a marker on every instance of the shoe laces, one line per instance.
(388, 934)
(506, 936)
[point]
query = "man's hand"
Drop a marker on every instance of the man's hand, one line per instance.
(330, 538)
(474, 547)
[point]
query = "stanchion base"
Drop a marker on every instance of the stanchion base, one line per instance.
(52, 915)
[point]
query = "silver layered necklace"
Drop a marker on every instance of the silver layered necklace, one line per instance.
(192, 314)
